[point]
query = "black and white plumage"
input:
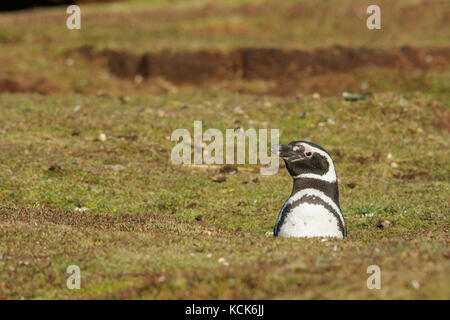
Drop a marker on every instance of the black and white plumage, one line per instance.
(313, 208)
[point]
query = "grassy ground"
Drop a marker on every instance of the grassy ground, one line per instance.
(139, 226)
(34, 42)
(194, 24)
(151, 219)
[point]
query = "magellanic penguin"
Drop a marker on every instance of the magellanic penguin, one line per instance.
(313, 208)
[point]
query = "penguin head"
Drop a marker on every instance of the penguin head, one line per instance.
(306, 159)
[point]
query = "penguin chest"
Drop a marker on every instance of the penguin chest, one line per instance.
(310, 220)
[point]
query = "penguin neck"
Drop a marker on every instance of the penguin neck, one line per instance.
(330, 189)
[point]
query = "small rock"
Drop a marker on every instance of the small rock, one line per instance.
(77, 108)
(316, 95)
(69, 62)
(115, 167)
(394, 165)
(364, 86)
(129, 138)
(223, 262)
(219, 179)
(367, 214)
(138, 78)
(228, 168)
(238, 110)
(124, 99)
(416, 284)
(348, 96)
(191, 206)
(383, 224)
(101, 93)
(102, 137)
(55, 168)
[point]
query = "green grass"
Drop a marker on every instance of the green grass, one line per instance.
(34, 42)
(191, 25)
(121, 257)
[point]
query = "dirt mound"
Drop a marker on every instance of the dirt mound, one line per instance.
(289, 70)
(280, 72)
(29, 84)
(123, 222)
(264, 63)
(145, 222)
(8, 85)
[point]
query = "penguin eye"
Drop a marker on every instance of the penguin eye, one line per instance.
(308, 154)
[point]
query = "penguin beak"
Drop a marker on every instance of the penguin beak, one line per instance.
(285, 152)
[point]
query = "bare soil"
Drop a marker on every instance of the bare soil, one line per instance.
(287, 68)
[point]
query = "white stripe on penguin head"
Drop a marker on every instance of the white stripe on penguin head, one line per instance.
(329, 176)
